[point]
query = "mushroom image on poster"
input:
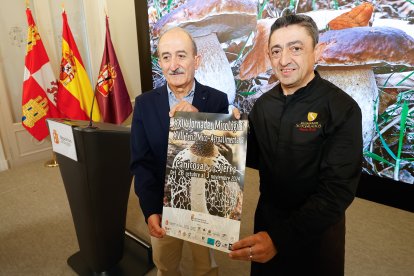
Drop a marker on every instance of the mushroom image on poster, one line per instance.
(204, 178)
(368, 51)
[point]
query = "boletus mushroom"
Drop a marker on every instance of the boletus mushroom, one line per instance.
(347, 59)
(212, 22)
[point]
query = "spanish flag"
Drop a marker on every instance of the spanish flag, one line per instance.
(75, 92)
(39, 86)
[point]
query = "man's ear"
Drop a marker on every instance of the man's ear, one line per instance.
(319, 48)
(197, 61)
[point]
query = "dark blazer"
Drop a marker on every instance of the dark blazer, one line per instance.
(149, 140)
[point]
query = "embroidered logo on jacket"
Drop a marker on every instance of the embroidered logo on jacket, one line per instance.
(311, 125)
(312, 116)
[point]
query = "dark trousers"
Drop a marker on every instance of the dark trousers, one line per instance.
(323, 257)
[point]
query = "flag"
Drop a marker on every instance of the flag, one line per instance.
(39, 85)
(75, 92)
(111, 92)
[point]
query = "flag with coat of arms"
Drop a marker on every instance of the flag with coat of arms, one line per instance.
(39, 85)
(111, 92)
(75, 93)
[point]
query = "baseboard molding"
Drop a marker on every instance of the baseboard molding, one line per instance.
(386, 191)
(3, 165)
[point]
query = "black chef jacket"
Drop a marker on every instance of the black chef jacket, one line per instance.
(308, 149)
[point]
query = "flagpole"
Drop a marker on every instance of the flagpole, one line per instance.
(27, 4)
(52, 163)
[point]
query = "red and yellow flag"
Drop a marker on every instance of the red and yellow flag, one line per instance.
(75, 92)
(111, 92)
(39, 86)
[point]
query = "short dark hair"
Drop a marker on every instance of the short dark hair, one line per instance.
(297, 19)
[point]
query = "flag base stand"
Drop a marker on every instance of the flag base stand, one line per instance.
(52, 163)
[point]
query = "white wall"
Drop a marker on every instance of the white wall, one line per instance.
(47, 14)
(122, 25)
(124, 37)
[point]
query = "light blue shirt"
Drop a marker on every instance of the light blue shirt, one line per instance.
(172, 99)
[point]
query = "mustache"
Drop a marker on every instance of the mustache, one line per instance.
(176, 71)
(289, 66)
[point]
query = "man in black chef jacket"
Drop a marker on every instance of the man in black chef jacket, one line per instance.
(306, 141)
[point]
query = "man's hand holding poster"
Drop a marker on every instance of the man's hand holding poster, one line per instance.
(204, 178)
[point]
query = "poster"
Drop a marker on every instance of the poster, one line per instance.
(383, 86)
(204, 178)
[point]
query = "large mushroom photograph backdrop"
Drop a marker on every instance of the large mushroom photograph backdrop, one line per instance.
(368, 51)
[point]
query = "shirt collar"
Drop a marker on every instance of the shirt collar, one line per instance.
(303, 89)
(190, 94)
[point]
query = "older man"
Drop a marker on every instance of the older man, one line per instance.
(178, 60)
(306, 141)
